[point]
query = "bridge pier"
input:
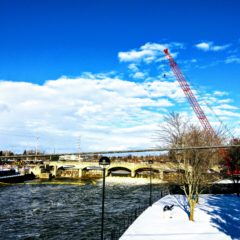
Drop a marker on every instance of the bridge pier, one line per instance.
(161, 174)
(54, 171)
(133, 173)
(80, 173)
(36, 170)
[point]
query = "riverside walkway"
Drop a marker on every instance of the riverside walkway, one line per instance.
(216, 217)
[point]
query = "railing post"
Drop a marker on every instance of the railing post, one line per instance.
(103, 198)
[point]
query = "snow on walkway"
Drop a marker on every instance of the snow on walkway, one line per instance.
(217, 217)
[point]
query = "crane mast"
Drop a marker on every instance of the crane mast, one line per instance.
(189, 94)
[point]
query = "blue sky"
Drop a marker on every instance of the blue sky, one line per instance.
(66, 65)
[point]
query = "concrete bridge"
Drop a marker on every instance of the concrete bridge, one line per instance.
(80, 169)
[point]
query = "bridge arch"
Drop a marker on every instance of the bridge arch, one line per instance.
(91, 171)
(119, 171)
(144, 171)
(92, 168)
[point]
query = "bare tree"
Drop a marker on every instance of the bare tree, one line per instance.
(195, 164)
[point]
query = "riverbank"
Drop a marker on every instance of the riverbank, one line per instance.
(216, 217)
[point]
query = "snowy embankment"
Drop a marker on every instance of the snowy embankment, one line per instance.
(217, 217)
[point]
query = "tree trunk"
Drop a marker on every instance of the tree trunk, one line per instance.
(197, 195)
(191, 205)
(236, 183)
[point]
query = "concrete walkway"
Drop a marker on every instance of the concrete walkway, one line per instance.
(154, 224)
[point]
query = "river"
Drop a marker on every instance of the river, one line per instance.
(66, 210)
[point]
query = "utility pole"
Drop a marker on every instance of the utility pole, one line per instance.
(150, 162)
(36, 147)
(79, 147)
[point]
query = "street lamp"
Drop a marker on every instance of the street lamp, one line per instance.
(103, 162)
(150, 162)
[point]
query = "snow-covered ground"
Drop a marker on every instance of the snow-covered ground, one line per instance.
(217, 217)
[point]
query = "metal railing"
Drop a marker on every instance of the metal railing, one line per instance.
(126, 218)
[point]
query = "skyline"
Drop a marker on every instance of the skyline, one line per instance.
(94, 70)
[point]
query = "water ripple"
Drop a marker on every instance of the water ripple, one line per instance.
(61, 211)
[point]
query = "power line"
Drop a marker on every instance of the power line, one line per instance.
(128, 151)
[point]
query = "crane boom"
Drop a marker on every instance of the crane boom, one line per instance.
(196, 107)
(189, 94)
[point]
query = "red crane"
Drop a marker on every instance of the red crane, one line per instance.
(189, 94)
(195, 105)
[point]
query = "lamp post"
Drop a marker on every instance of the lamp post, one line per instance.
(103, 162)
(150, 162)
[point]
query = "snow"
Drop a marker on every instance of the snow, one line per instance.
(225, 181)
(216, 217)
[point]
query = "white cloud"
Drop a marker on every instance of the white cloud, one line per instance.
(165, 89)
(227, 100)
(226, 113)
(108, 113)
(134, 55)
(209, 46)
(220, 93)
(135, 72)
(220, 111)
(100, 110)
(148, 53)
(203, 46)
(133, 67)
(139, 75)
(226, 106)
(154, 47)
(232, 59)
(219, 48)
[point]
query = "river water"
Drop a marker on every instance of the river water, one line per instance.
(66, 210)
